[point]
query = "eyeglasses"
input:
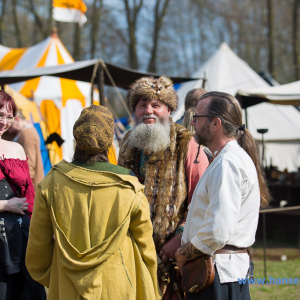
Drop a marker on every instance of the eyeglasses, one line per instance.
(8, 119)
(196, 116)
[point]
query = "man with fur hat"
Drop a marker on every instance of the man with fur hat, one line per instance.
(158, 152)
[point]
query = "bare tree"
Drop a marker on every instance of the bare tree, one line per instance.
(16, 23)
(270, 37)
(50, 22)
(43, 28)
(3, 6)
(158, 17)
(132, 16)
(77, 42)
(296, 51)
(96, 17)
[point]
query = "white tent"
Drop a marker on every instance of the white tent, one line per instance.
(286, 94)
(282, 147)
(226, 72)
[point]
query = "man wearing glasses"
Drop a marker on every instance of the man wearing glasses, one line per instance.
(223, 214)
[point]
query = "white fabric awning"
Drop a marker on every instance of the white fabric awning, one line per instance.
(286, 94)
(282, 121)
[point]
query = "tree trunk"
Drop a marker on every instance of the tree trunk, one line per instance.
(295, 42)
(158, 17)
(131, 15)
(77, 43)
(1, 19)
(16, 24)
(38, 21)
(51, 21)
(270, 37)
(95, 25)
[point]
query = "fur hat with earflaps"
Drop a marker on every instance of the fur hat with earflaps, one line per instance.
(150, 88)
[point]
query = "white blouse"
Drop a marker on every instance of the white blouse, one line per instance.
(224, 210)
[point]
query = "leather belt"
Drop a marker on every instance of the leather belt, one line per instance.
(228, 249)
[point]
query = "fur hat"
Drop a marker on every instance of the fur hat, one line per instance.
(150, 88)
(94, 129)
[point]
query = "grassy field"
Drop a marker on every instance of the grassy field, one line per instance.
(276, 269)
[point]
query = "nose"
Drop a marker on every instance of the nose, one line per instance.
(192, 122)
(149, 109)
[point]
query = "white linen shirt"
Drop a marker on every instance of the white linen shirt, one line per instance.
(224, 210)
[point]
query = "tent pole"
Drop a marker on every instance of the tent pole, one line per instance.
(101, 84)
(204, 79)
(92, 93)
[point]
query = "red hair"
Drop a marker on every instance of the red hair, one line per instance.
(7, 100)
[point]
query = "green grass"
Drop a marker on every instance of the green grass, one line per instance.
(276, 269)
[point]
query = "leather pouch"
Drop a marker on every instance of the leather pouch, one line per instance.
(198, 274)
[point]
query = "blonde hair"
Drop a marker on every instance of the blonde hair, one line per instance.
(187, 119)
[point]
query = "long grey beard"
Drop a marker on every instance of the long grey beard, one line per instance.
(153, 138)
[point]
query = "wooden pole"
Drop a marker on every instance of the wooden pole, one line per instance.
(92, 93)
(264, 215)
(265, 244)
(100, 72)
(204, 81)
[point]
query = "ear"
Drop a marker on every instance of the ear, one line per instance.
(169, 111)
(216, 124)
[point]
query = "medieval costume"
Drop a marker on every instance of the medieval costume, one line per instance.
(15, 281)
(99, 216)
(164, 173)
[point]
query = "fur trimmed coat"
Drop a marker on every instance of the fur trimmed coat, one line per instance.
(165, 182)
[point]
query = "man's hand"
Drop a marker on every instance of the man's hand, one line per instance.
(185, 253)
(167, 252)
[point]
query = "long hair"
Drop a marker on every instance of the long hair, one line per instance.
(228, 109)
(187, 119)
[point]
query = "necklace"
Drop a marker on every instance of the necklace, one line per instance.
(216, 154)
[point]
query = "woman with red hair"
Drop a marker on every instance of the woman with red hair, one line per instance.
(16, 204)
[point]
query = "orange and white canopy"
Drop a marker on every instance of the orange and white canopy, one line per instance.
(60, 100)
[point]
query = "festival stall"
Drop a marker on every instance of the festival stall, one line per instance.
(60, 100)
(285, 94)
(226, 72)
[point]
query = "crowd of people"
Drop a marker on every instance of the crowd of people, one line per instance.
(179, 194)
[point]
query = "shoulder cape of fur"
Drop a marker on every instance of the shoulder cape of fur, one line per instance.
(165, 182)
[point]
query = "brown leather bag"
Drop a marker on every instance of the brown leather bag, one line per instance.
(198, 274)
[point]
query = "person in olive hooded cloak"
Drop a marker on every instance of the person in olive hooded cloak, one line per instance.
(91, 235)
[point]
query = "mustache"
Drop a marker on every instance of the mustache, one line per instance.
(149, 116)
(139, 120)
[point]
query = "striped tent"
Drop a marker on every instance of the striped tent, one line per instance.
(60, 100)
